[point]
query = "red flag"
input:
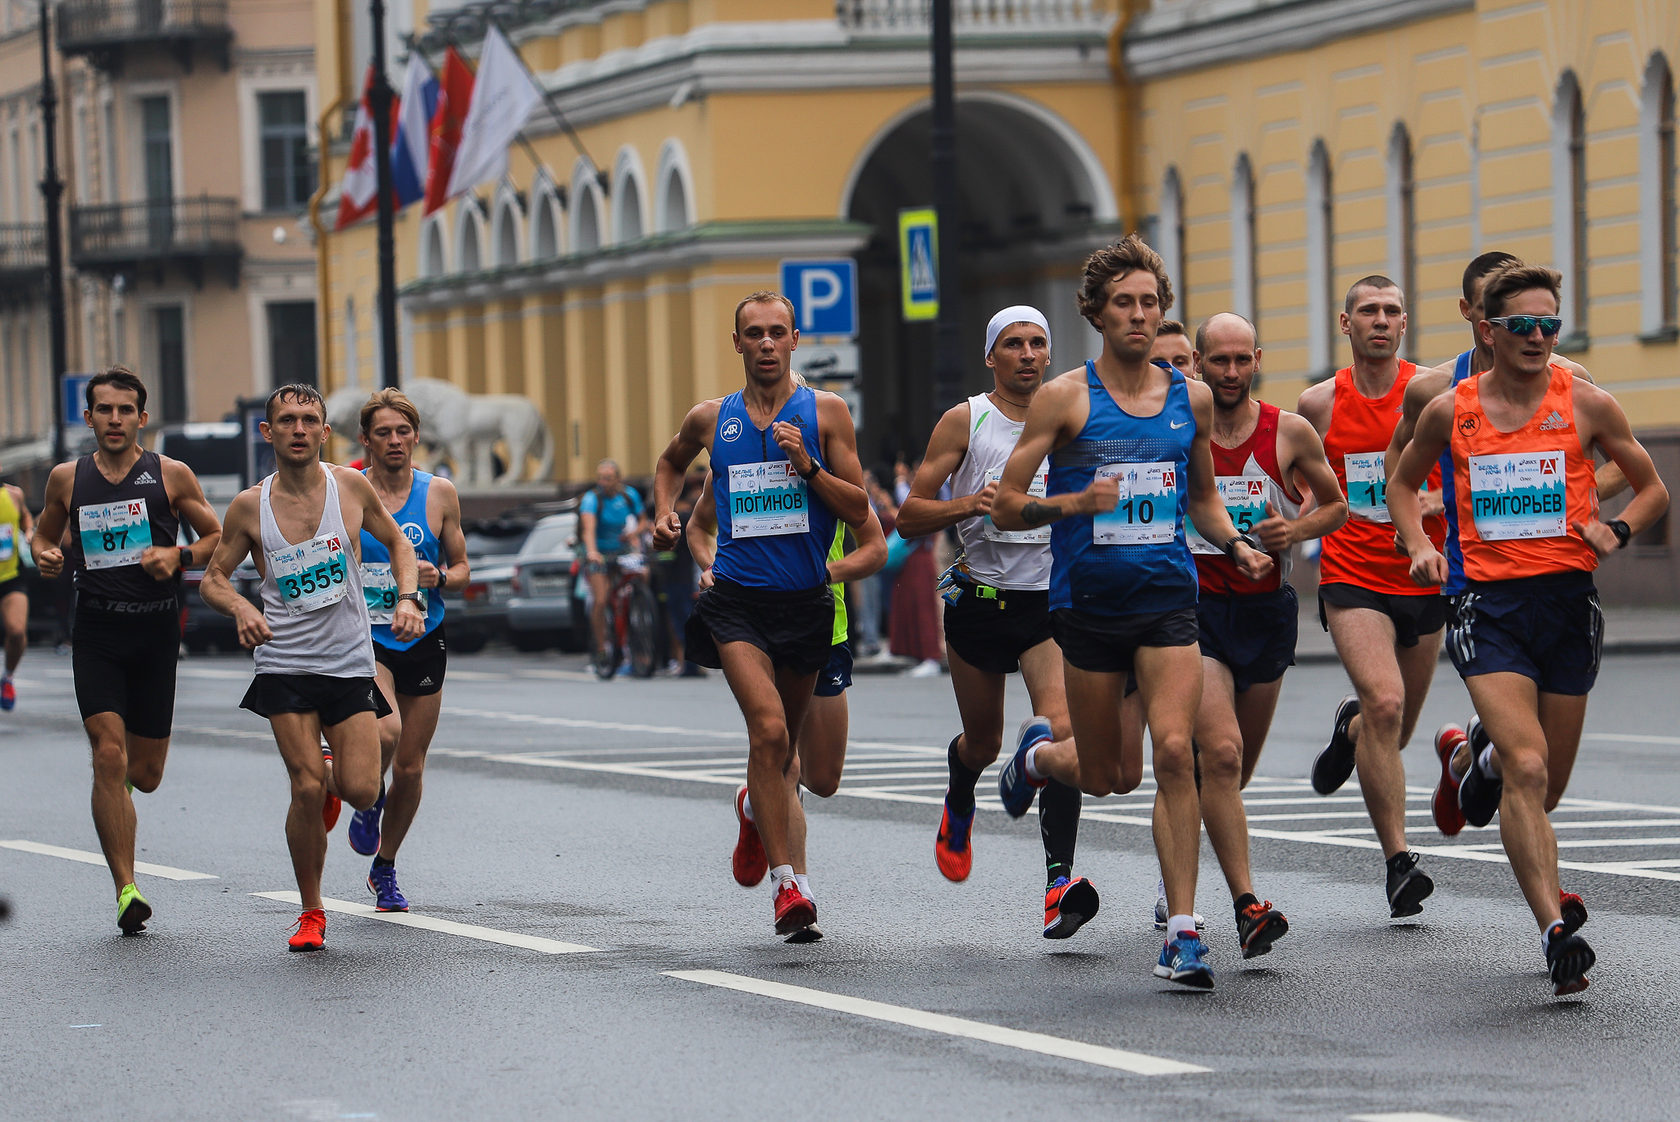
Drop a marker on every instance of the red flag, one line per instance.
(455, 88)
(358, 194)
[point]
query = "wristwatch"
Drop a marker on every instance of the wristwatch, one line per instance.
(1230, 547)
(186, 558)
(411, 597)
(1620, 529)
(807, 475)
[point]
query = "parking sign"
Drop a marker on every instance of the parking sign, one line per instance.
(824, 295)
(74, 399)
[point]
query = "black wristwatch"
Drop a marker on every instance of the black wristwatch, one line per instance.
(186, 558)
(1230, 547)
(412, 597)
(1620, 529)
(807, 475)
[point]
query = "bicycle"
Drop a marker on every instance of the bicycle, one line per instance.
(632, 621)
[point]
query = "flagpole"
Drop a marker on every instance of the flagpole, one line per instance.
(379, 104)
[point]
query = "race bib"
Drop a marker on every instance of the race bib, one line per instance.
(767, 500)
(8, 543)
(114, 534)
(1519, 495)
(1367, 485)
(310, 575)
(1245, 498)
(379, 591)
(1039, 488)
(1147, 513)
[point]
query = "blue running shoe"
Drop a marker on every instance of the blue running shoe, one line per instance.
(1015, 787)
(364, 829)
(382, 882)
(1183, 961)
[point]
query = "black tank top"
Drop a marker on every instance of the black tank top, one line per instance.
(113, 533)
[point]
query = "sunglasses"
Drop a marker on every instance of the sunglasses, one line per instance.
(1525, 325)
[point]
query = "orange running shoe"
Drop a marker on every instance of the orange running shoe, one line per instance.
(1068, 904)
(330, 809)
(311, 934)
(951, 849)
(1449, 818)
(748, 861)
(794, 910)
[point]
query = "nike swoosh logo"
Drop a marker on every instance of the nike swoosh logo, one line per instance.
(1177, 424)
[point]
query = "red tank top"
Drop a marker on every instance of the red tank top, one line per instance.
(1362, 552)
(1520, 492)
(1248, 478)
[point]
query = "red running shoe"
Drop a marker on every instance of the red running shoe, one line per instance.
(330, 809)
(794, 910)
(311, 934)
(951, 849)
(1574, 911)
(748, 861)
(1449, 819)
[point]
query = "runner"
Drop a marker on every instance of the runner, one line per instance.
(1128, 447)
(1528, 632)
(1387, 629)
(1263, 455)
(820, 744)
(609, 510)
(311, 638)
(410, 673)
(997, 622)
(786, 466)
(1172, 348)
(15, 527)
(127, 505)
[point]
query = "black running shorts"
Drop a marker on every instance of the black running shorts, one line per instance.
(1253, 635)
(836, 677)
(124, 663)
(1549, 629)
(418, 670)
(992, 635)
(1109, 644)
(334, 700)
(1413, 616)
(795, 628)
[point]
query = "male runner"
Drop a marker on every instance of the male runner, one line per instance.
(313, 648)
(15, 526)
(1172, 347)
(410, 673)
(1128, 447)
(607, 511)
(785, 466)
(1528, 632)
(127, 505)
(1387, 629)
(997, 620)
(1262, 456)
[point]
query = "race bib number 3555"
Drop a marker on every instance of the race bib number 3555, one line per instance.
(115, 533)
(310, 575)
(1147, 512)
(767, 500)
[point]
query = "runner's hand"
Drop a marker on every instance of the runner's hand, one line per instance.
(408, 623)
(1429, 567)
(1431, 503)
(429, 575)
(1599, 535)
(666, 531)
(1274, 531)
(1102, 496)
(980, 503)
(161, 562)
(253, 628)
(50, 563)
(792, 440)
(1252, 562)
(705, 579)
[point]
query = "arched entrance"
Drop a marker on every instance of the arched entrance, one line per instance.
(1033, 202)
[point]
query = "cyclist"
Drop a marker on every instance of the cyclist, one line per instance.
(607, 518)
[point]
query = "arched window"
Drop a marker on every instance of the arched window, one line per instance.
(628, 224)
(1656, 199)
(1321, 263)
(433, 258)
(1243, 277)
(1169, 238)
(1569, 201)
(1401, 191)
(673, 207)
(587, 206)
(504, 230)
(545, 220)
(469, 234)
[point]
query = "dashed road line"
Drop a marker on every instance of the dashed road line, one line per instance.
(87, 857)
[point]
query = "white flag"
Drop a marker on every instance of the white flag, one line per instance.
(503, 97)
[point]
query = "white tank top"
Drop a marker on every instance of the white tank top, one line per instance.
(312, 597)
(1018, 559)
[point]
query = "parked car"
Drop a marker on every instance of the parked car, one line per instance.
(546, 608)
(479, 612)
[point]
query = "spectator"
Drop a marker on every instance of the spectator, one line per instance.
(914, 628)
(674, 580)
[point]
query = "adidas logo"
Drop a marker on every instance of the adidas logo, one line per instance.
(426, 681)
(146, 476)
(1553, 422)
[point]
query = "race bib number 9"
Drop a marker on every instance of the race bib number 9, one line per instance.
(8, 542)
(1367, 485)
(1039, 488)
(114, 534)
(310, 575)
(1518, 495)
(767, 500)
(1245, 498)
(379, 591)
(1147, 511)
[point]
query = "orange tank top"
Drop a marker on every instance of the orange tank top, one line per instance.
(1362, 552)
(1520, 492)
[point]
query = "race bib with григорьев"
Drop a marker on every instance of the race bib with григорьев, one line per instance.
(310, 575)
(767, 500)
(1040, 487)
(1245, 498)
(1147, 510)
(1518, 495)
(114, 534)
(379, 592)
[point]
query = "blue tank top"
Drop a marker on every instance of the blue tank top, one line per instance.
(1134, 559)
(411, 519)
(772, 532)
(1449, 495)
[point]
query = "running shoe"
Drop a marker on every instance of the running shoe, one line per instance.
(382, 882)
(1333, 765)
(748, 862)
(1162, 914)
(1068, 905)
(311, 933)
(1015, 786)
(1408, 887)
(8, 694)
(794, 910)
(1259, 926)
(332, 805)
(1184, 960)
(132, 910)
(810, 933)
(1574, 912)
(1449, 818)
(364, 829)
(951, 849)
(1479, 793)
(1568, 958)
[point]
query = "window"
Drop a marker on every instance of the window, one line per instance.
(291, 343)
(627, 209)
(170, 335)
(288, 173)
(1243, 281)
(586, 221)
(1321, 264)
(1656, 201)
(1170, 238)
(1402, 221)
(1569, 204)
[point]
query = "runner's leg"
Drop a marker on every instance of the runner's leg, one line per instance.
(1562, 716)
(418, 717)
(1171, 683)
(1110, 760)
(113, 807)
(770, 756)
(14, 614)
(1255, 708)
(1365, 642)
(390, 725)
(1219, 739)
(298, 736)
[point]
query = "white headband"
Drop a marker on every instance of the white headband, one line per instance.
(1016, 313)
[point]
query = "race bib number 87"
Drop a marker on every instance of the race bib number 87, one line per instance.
(114, 534)
(310, 575)
(1147, 512)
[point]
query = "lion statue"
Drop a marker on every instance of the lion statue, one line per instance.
(465, 428)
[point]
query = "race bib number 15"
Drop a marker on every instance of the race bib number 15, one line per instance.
(1367, 485)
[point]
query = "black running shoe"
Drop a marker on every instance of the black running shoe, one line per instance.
(1478, 794)
(1259, 926)
(1568, 958)
(1335, 763)
(1407, 886)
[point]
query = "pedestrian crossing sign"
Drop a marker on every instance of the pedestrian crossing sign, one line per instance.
(918, 263)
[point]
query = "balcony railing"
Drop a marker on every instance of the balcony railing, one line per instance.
(124, 237)
(902, 17)
(23, 259)
(106, 30)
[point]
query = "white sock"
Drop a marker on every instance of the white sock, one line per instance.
(746, 808)
(779, 874)
(1485, 762)
(1032, 764)
(1161, 887)
(1180, 925)
(804, 883)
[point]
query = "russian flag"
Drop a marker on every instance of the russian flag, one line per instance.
(411, 138)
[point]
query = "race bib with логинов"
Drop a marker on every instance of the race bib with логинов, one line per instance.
(767, 500)
(114, 534)
(379, 591)
(1040, 487)
(310, 575)
(1367, 485)
(1245, 498)
(1518, 495)
(1147, 510)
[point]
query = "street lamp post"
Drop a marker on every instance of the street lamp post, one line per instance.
(948, 365)
(52, 192)
(379, 102)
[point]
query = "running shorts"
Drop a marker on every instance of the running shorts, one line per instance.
(794, 627)
(836, 677)
(124, 663)
(418, 670)
(1413, 616)
(1109, 644)
(334, 700)
(1549, 629)
(1253, 635)
(7, 587)
(992, 635)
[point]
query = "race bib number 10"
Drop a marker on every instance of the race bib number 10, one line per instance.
(114, 534)
(1367, 485)
(379, 590)
(310, 575)
(767, 500)
(1147, 512)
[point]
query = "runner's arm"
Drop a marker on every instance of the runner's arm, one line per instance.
(702, 532)
(45, 545)
(408, 622)
(692, 436)
(1205, 506)
(839, 482)
(923, 512)
(1012, 507)
(1429, 439)
(457, 571)
(870, 556)
(1613, 436)
(26, 521)
(164, 562)
(239, 539)
(1305, 462)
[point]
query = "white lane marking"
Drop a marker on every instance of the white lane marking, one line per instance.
(1135, 1062)
(432, 923)
(1403, 1116)
(1630, 738)
(235, 734)
(88, 858)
